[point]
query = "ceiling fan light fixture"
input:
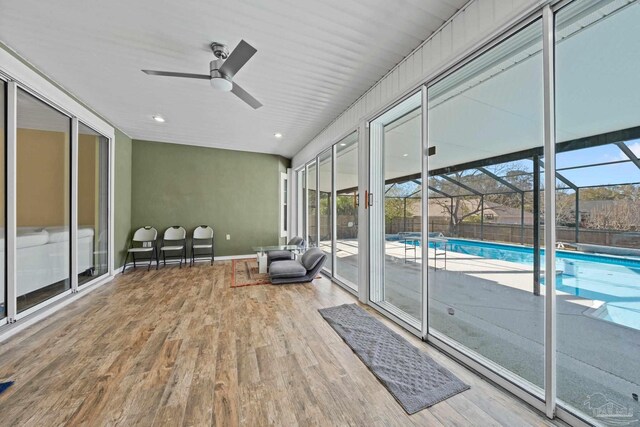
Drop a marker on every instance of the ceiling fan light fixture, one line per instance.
(222, 70)
(221, 84)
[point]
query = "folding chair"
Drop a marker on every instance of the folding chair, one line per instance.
(143, 242)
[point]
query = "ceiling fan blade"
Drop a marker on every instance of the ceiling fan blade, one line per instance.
(240, 55)
(172, 74)
(244, 95)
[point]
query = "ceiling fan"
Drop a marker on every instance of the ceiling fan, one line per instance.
(222, 70)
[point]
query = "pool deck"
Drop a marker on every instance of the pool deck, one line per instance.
(503, 273)
(497, 315)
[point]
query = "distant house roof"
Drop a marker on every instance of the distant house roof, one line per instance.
(501, 214)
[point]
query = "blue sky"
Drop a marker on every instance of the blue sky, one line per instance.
(612, 174)
(617, 173)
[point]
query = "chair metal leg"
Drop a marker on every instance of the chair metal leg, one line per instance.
(157, 258)
(134, 260)
(126, 259)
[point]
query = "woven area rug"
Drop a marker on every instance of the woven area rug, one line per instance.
(413, 378)
(245, 273)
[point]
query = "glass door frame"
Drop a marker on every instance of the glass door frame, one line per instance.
(547, 400)
(544, 402)
(334, 194)
(110, 193)
(307, 165)
(375, 253)
(300, 201)
(10, 68)
(331, 151)
(4, 120)
(302, 204)
(547, 403)
(12, 195)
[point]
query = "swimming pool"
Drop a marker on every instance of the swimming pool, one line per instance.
(614, 280)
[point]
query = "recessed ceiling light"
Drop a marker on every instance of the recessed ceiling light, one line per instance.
(277, 135)
(158, 118)
(343, 144)
(405, 155)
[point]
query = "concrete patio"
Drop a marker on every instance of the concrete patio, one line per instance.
(496, 314)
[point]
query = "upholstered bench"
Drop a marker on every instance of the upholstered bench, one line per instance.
(300, 270)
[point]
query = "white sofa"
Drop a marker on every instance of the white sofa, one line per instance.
(43, 256)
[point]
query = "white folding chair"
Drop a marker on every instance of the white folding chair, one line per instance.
(202, 241)
(143, 242)
(174, 240)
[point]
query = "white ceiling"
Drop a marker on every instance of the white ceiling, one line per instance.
(314, 59)
(491, 109)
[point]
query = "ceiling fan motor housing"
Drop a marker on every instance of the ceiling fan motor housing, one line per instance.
(220, 51)
(218, 80)
(214, 68)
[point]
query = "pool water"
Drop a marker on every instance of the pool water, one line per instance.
(614, 280)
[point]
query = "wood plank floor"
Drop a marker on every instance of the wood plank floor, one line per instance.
(180, 347)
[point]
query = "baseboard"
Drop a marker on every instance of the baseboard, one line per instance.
(176, 262)
(12, 329)
(229, 257)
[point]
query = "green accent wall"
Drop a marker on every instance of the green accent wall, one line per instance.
(235, 192)
(122, 202)
(162, 184)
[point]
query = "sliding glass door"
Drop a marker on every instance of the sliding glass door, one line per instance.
(93, 202)
(395, 206)
(43, 201)
(540, 294)
(328, 204)
(346, 211)
(486, 124)
(301, 194)
(325, 210)
(3, 224)
(312, 203)
(55, 196)
(598, 209)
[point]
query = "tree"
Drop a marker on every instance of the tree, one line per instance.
(346, 204)
(565, 208)
(622, 215)
(466, 206)
(399, 199)
(613, 207)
